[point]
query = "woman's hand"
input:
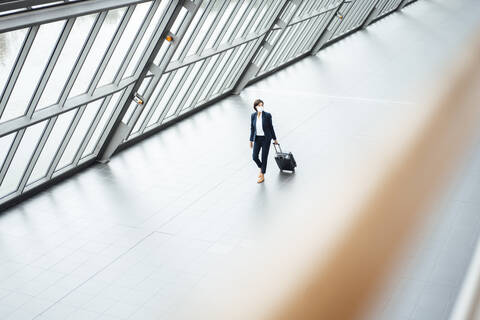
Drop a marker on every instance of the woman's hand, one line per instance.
(275, 141)
(251, 144)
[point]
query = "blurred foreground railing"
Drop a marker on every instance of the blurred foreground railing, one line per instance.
(338, 278)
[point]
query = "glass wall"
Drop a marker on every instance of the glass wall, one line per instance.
(67, 81)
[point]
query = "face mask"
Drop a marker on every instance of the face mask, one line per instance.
(260, 109)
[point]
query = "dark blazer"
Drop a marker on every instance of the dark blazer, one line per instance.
(267, 126)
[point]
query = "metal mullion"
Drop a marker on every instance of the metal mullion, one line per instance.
(249, 58)
(36, 154)
(193, 84)
(308, 5)
(170, 100)
(157, 100)
(65, 141)
(91, 130)
(356, 15)
(178, 88)
(242, 19)
(248, 29)
(357, 22)
(275, 53)
(351, 17)
(288, 44)
(15, 124)
(166, 108)
(111, 140)
(204, 84)
(363, 12)
(17, 68)
(47, 15)
(271, 53)
(243, 57)
(304, 31)
(208, 53)
(111, 49)
(338, 26)
(402, 4)
(11, 153)
(348, 16)
(371, 14)
(326, 32)
(224, 67)
(47, 72)
(195, 31)
(307, 32)
(346, 6)
(285, 44)
(212, 28)
(380, 12)
(312, 32)
(312, 36)
(235, 58)
(225, 28)
(136, 42)
(282, 31)
(82, 57)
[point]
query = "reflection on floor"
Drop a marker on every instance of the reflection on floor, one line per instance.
(130, 239)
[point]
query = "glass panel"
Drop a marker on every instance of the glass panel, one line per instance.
(146, 39)
(204, 29)
(125, 42)
(102, 124)
(66, 61)
(188, 33)
(228, 70)
(179, 20)
(53, 143)
(187, 84)
(248, 21)
(224, 58)
(10, 45)
(100, 45)
(211, 61)
(32, 70)
(233, 26)
(169, 92)
(79, 134)
(221, 24)
(5, 143)
(150, 104)
(21, 159)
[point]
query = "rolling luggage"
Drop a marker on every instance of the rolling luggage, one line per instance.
(285, 160)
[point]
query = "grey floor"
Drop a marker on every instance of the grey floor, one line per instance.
(132, 238)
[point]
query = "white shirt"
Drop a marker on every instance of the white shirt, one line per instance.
(259, 127)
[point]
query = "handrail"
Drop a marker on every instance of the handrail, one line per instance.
(335, 274)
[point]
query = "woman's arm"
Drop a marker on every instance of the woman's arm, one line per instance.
(273, 131)
(252, 129)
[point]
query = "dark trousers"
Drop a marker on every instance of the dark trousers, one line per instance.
(261, 143)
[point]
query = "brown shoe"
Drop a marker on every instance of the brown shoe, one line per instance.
(261, 179)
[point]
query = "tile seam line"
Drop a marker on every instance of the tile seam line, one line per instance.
(96, 273)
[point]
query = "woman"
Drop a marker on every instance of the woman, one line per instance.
(261, 133)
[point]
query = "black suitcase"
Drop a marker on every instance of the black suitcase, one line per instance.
(285, 160)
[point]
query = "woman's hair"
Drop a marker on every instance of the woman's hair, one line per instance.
(256, 103)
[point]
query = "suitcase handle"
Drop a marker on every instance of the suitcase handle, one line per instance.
(275, 146)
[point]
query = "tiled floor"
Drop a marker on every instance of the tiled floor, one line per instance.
(132, 238)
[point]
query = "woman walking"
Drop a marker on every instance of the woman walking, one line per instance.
(261, 133)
